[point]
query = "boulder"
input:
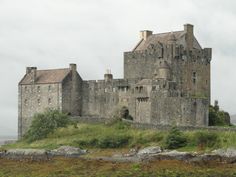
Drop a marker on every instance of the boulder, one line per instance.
(149, 151)
(27, 154)
(227, 155)
(175, 155)
(68, 151)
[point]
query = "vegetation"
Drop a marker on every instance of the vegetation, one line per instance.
(72, 167)
(175, 139)
(46, 123)
(122, 135)
(217, 117)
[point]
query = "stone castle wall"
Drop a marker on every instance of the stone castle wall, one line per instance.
(35, 99)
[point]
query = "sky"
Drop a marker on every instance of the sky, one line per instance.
(94, 34)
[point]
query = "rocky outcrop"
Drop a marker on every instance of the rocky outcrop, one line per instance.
(68, 151)
(228, 155)
(41, 154)
(149, 151)
(27, 154)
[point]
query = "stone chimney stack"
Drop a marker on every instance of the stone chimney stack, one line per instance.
(73, 67)
(33, 73)
(188, 28)
(108, 76)
(145, 34)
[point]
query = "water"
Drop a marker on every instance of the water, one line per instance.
(3, 139)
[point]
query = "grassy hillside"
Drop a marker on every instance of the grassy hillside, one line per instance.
(121, 135)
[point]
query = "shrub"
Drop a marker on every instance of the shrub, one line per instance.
(114, 141)
(217, 117)
(175, 139)
(45, 123)
(206, 139)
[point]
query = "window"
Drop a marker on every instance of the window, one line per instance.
(25, 101)
(49, 88)
(49, 101)
(38, 89)
(194, 77)
(39, 101)
(25, 88)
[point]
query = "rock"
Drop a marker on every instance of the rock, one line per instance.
(175, 155)
(230, 152)
(27, 154)
(1, 154)
(227, 155)
(68, 151)
(205, 159)
(149, 151)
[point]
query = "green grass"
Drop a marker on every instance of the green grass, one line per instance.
(121, 135)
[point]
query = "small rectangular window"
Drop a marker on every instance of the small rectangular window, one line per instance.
(25, 101)
(39, 101)
(194, 77)
(38, 89)
(49, 88)
(49, 101)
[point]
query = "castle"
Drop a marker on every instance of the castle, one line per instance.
(166, 81)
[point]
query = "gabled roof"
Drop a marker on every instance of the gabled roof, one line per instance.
(163, 38)
(46, 76)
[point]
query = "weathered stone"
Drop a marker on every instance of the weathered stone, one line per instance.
(68, 151)
(175, 155)
(27, 154)
(228, 155)
(149, 151)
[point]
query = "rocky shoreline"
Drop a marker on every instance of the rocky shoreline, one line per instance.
(148, 154)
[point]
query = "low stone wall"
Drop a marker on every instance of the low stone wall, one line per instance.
(88, 119)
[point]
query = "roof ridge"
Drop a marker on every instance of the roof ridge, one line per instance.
(169, 32)
(53, 69)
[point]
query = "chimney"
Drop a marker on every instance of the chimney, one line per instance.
(73, 67)
(145, 34)
(33, 73)
(188, 29)
(108, 76)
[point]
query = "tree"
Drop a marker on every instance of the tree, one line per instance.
(217, 117)
(45, 123)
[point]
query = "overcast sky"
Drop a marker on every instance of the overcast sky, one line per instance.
(95, 33)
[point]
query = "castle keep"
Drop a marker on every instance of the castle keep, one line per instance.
(166, 81)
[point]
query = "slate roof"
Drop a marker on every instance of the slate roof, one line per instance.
(163, 38)
(46, 76)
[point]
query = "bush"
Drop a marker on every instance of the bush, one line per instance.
(114, 141)
(45, 123)
(217, 117)
(206, 139)
(175, 139)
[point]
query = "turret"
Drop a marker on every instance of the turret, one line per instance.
(163, 71)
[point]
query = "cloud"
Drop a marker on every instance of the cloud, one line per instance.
(94, 34)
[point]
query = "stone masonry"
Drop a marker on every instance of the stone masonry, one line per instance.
(166, 82)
